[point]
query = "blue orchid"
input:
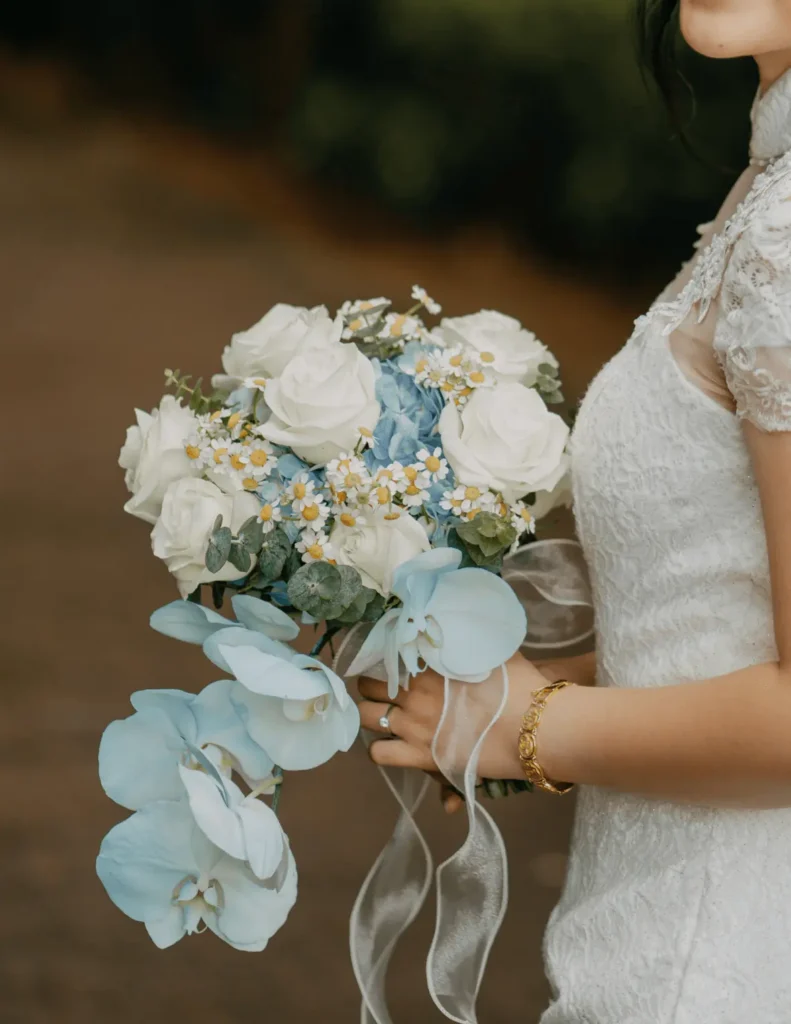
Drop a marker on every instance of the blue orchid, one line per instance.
(299, 705)
(140, 756)
(462, 623)
(293, 703)
(159, 868)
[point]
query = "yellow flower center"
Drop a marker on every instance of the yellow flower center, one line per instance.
(503, 509)
(392, 515)
(421, 365)
(347, 519)
(365, 432)
(477, 377)
(352, 480)
(300, 490)
(455, 360)
(465, 392)
(259, 457)
(192, 452)
(219, 454)
(487, 357)
(528, 518)
(435, 375)
(341, 496)
(234, 420)
(259, 382)
(215, 416)
(310, 513)
(433, 465)
(266, 513)
(410, 473)
(355, 325)
(473, 513)
(446, 386)
(249, 483)
(472, 493)
(412, 490)
(316, 551)
(383, 495)
(398, 326)
(237, 462)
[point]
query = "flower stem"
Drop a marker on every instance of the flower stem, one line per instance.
(278, 788)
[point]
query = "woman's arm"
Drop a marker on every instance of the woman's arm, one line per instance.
(723, 741)
(582, 669)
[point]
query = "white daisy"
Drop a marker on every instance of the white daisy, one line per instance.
(270, 515)
(421, 295)
(400, 327)
(312, 513)
(348, 516)
(300, 490)
(366, 439)
(432, 463)
(314, 546)
(219, 452)
(522, 519)
(260, 456)
(255, 383)
(414, 495)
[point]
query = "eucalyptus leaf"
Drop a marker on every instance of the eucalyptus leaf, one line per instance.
(218, 589)
(251, 535)
(239, 557)
(272, 558)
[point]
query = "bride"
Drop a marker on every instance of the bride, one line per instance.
(677, 905)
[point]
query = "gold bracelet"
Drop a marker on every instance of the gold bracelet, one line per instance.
(528, 747)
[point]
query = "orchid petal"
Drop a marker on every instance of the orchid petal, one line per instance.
(252, 913)
(187, 621)
(213, 814)
(482, 624)
(219, 724)
(414, 581)
(176, 704)
(143, 859)
(264, 838)
(373, 648)
(262, 673)
(138, 759)
(266, 618)
(238, 636)
(167, 930)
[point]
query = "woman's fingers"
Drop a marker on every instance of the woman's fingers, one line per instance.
(372, 713)
(372, 689)
(400, 754)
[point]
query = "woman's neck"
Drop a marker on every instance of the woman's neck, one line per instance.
(772, 66)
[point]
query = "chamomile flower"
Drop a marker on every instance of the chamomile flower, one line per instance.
(366, 439)
(414, 495)
(348, 473)
(270, 515)
(467, 501)
(432, 463)
(260, 456)
(255, 383)
(300, 490)
(399, 327)
(197, 450)
(219, 452)
(421, 295)
(312, 513)
(522, 518)
(314, 546)
(350, 516)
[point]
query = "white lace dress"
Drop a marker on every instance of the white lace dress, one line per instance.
(676, 914)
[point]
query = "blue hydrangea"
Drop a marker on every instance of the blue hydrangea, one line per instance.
(408, 418)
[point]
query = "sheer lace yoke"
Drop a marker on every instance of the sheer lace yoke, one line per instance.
(733, 340)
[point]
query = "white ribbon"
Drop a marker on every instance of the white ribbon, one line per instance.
(551, 581)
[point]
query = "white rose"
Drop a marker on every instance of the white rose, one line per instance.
(516, 353)
(268, 346)
(154, 456)
(547, 501)
(377, 547)
(181, 535)
(325, 394)
(506, 439)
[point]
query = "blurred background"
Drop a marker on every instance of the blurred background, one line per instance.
(167, 173)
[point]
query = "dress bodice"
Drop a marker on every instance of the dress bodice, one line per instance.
(677, 914)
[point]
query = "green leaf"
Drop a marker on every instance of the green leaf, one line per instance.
(548, 370)
(251, 535)
(488, 532)
(324, 591)
(368, 606)
(239, 557)
(195, 596)
(219, 549)
(272, 558)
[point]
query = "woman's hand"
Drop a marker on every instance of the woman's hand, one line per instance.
(415, 713)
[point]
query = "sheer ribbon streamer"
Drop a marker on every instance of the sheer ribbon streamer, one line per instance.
(550, 580)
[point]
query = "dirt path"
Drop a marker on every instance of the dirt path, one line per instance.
(123, 250)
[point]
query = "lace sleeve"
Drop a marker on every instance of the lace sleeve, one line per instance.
(753, 337)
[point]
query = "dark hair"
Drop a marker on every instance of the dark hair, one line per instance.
(657, 22)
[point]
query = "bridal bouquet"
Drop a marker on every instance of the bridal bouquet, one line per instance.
(363, 472)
